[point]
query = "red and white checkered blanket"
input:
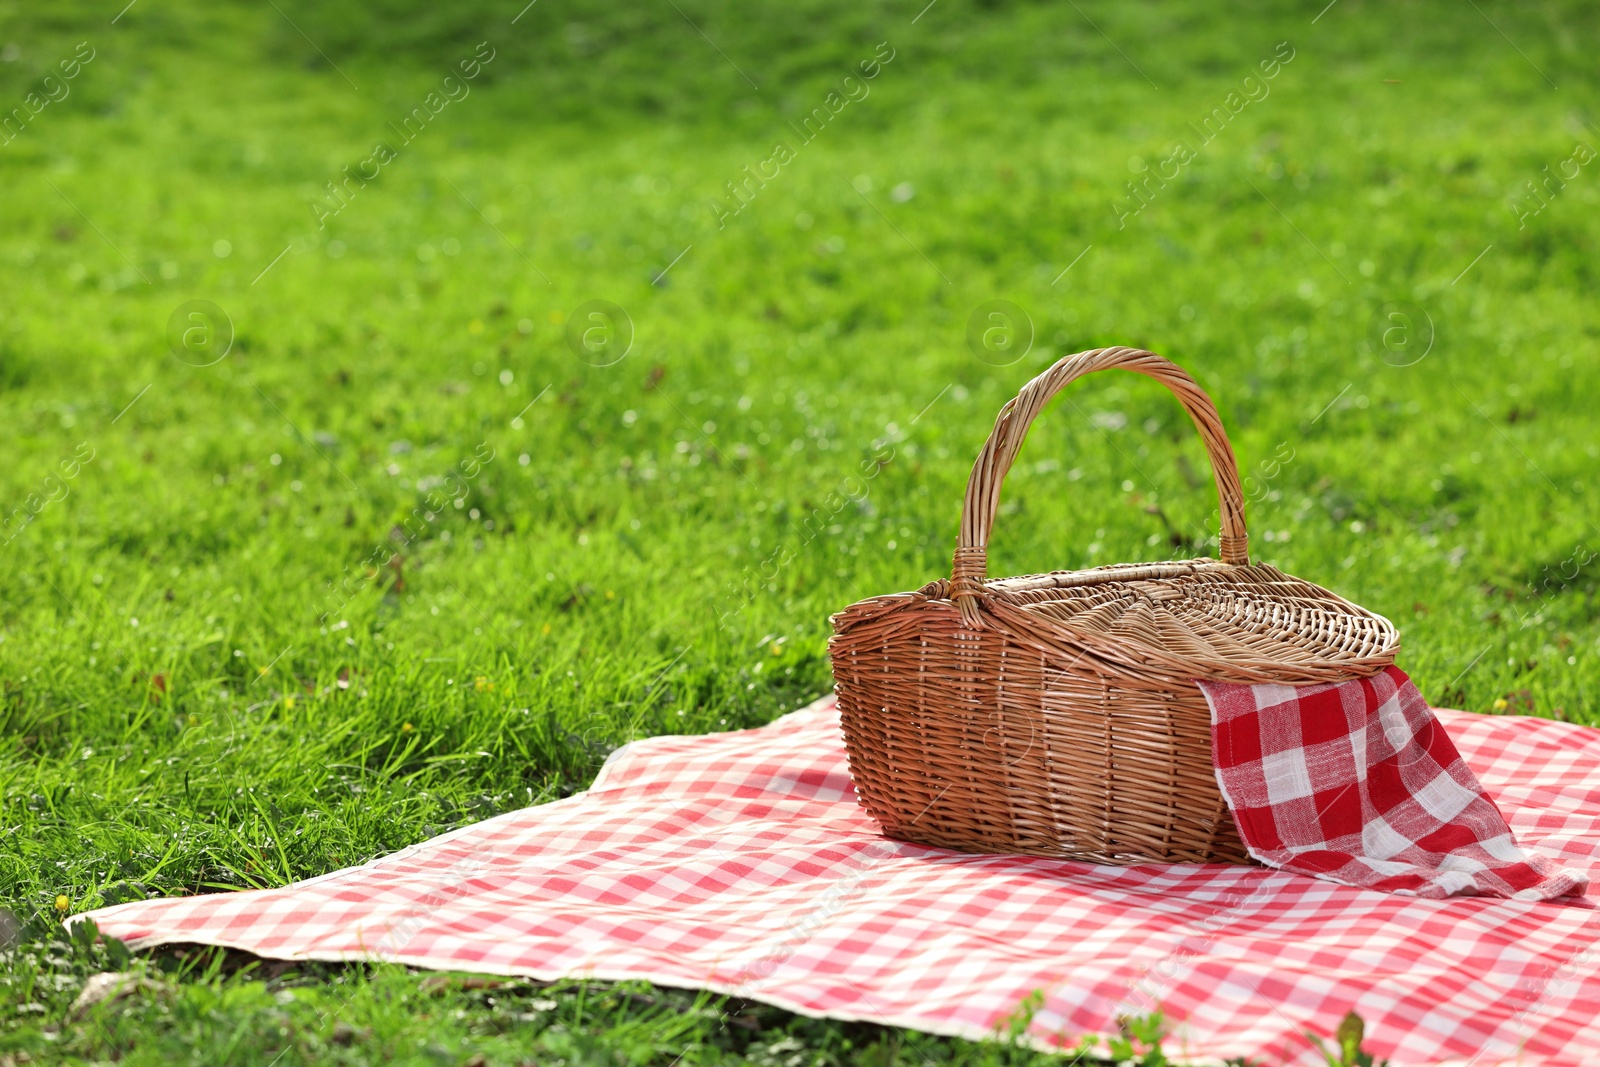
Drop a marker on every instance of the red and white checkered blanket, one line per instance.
(1358, 783)
(742, 863)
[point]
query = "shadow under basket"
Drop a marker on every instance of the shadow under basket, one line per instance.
(1059, 714)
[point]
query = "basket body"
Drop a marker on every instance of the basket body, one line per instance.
(1060, 714)
(1052, 730)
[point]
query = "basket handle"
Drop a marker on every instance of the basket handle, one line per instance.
(970, 567)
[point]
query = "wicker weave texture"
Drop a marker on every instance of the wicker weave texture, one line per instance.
(1058, 714)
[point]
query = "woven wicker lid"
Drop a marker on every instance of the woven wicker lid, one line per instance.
(1198, 619)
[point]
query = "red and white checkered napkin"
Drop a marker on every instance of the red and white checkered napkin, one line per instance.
(1357, 782)
(742, 863)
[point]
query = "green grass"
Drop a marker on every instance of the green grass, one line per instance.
(190, 704)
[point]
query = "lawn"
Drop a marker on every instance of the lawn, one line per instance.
(334, 517)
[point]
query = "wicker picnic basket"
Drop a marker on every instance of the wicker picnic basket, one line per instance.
(1058, 714)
